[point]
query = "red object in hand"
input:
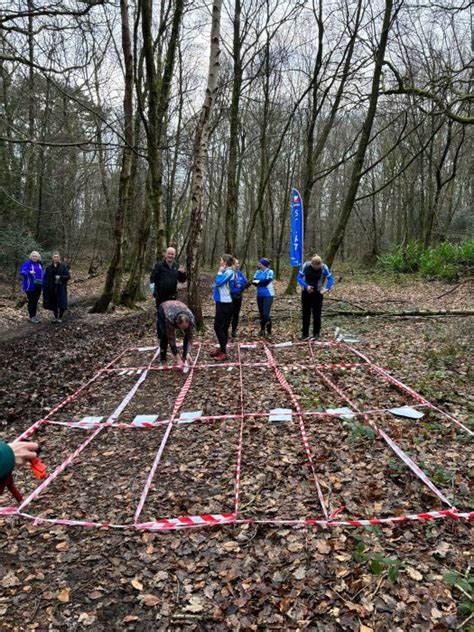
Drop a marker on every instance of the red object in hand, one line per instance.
(38, 468)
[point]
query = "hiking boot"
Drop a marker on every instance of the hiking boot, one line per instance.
(234, 334)
(315, 337)
(220, 356)
(215, 352)
(304, 337)
(34, 320)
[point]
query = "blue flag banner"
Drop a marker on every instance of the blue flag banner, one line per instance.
(296, 240)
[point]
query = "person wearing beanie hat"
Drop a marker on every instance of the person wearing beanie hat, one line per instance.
(316, 279)
(263, 281)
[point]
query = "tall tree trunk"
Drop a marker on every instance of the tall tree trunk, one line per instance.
(232, 181)
(200, 166)
(111, 289)
(356, 173)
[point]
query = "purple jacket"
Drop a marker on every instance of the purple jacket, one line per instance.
(31, 271)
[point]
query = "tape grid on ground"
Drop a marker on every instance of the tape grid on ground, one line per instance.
(128, 397)
(281, 378)
(196, 521)
(177, 405)
(389, 441)
(407, 389)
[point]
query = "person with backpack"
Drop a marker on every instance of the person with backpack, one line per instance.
(32, 273)
(238, 286)
(55, 281)
(222, 296)
(263, 281)
(316, 280)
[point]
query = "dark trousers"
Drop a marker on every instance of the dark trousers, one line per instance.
(311, 304)
(264, 307)
(33, 298)
(236, 305)
(222, 323)
(158, 300)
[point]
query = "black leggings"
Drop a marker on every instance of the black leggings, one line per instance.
(236, 305)
(311, 304)
(33, 298)
(222, 323)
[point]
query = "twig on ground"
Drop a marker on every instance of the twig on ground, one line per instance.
(456, 287)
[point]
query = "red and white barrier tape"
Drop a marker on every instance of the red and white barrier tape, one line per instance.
(281, 378)
(32, 429)
(177, 405)
(238, 467)
(208, 520)
(407, 389)
(35, 493)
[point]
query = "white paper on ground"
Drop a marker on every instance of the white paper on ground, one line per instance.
(344, 412)
(283, 344)
(189, 417)
(248, 346)
(87, 422)
(280, 414)
(139, 420)
(407, 411)
(147, 348)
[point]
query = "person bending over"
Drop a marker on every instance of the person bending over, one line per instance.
(173, 315)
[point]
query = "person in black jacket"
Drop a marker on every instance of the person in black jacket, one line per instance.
(55, 281)
(164, 278)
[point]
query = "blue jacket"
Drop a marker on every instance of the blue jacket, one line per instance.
(222, 286)
(238, 284)
(309, 277)
(31, 272)
(263, 280)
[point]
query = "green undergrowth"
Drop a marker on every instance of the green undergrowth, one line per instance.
(445, 261)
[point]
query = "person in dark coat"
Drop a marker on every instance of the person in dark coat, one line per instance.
(55, 281)
(164, 279)
(32, 273)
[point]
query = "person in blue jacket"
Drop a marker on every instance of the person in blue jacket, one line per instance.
(238, 285)
(263, 280)
(222, 296)
(32, 273)
(316, 280)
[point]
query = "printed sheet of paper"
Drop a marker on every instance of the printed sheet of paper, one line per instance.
(87, 422)
(343, 413)
(407, 411)
(280, 414)
(141, 420)
(189, 416)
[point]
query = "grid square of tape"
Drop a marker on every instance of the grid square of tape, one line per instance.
(214, 455)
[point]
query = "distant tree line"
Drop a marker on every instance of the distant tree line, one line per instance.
(132, 125)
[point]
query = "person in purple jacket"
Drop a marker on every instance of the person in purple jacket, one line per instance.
(32, 273)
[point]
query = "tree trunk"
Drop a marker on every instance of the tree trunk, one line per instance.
(111, 289)
(199, 168)
(356, 173)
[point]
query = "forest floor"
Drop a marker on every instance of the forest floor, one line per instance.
(412, 576)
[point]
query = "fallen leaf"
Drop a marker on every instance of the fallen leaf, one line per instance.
(63, 596)
(300, 573)
(195, 605)
(10, 580)
(62, 546)
(149, 600)
(414, 574)
(129, 618)
(136, 583)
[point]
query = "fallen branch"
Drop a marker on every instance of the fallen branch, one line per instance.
(456, 287)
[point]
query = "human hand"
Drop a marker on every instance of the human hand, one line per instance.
(24, 451)
(181, 269)
(323, 290)
(310, 289)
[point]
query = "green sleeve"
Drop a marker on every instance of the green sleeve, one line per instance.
(7, 460)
